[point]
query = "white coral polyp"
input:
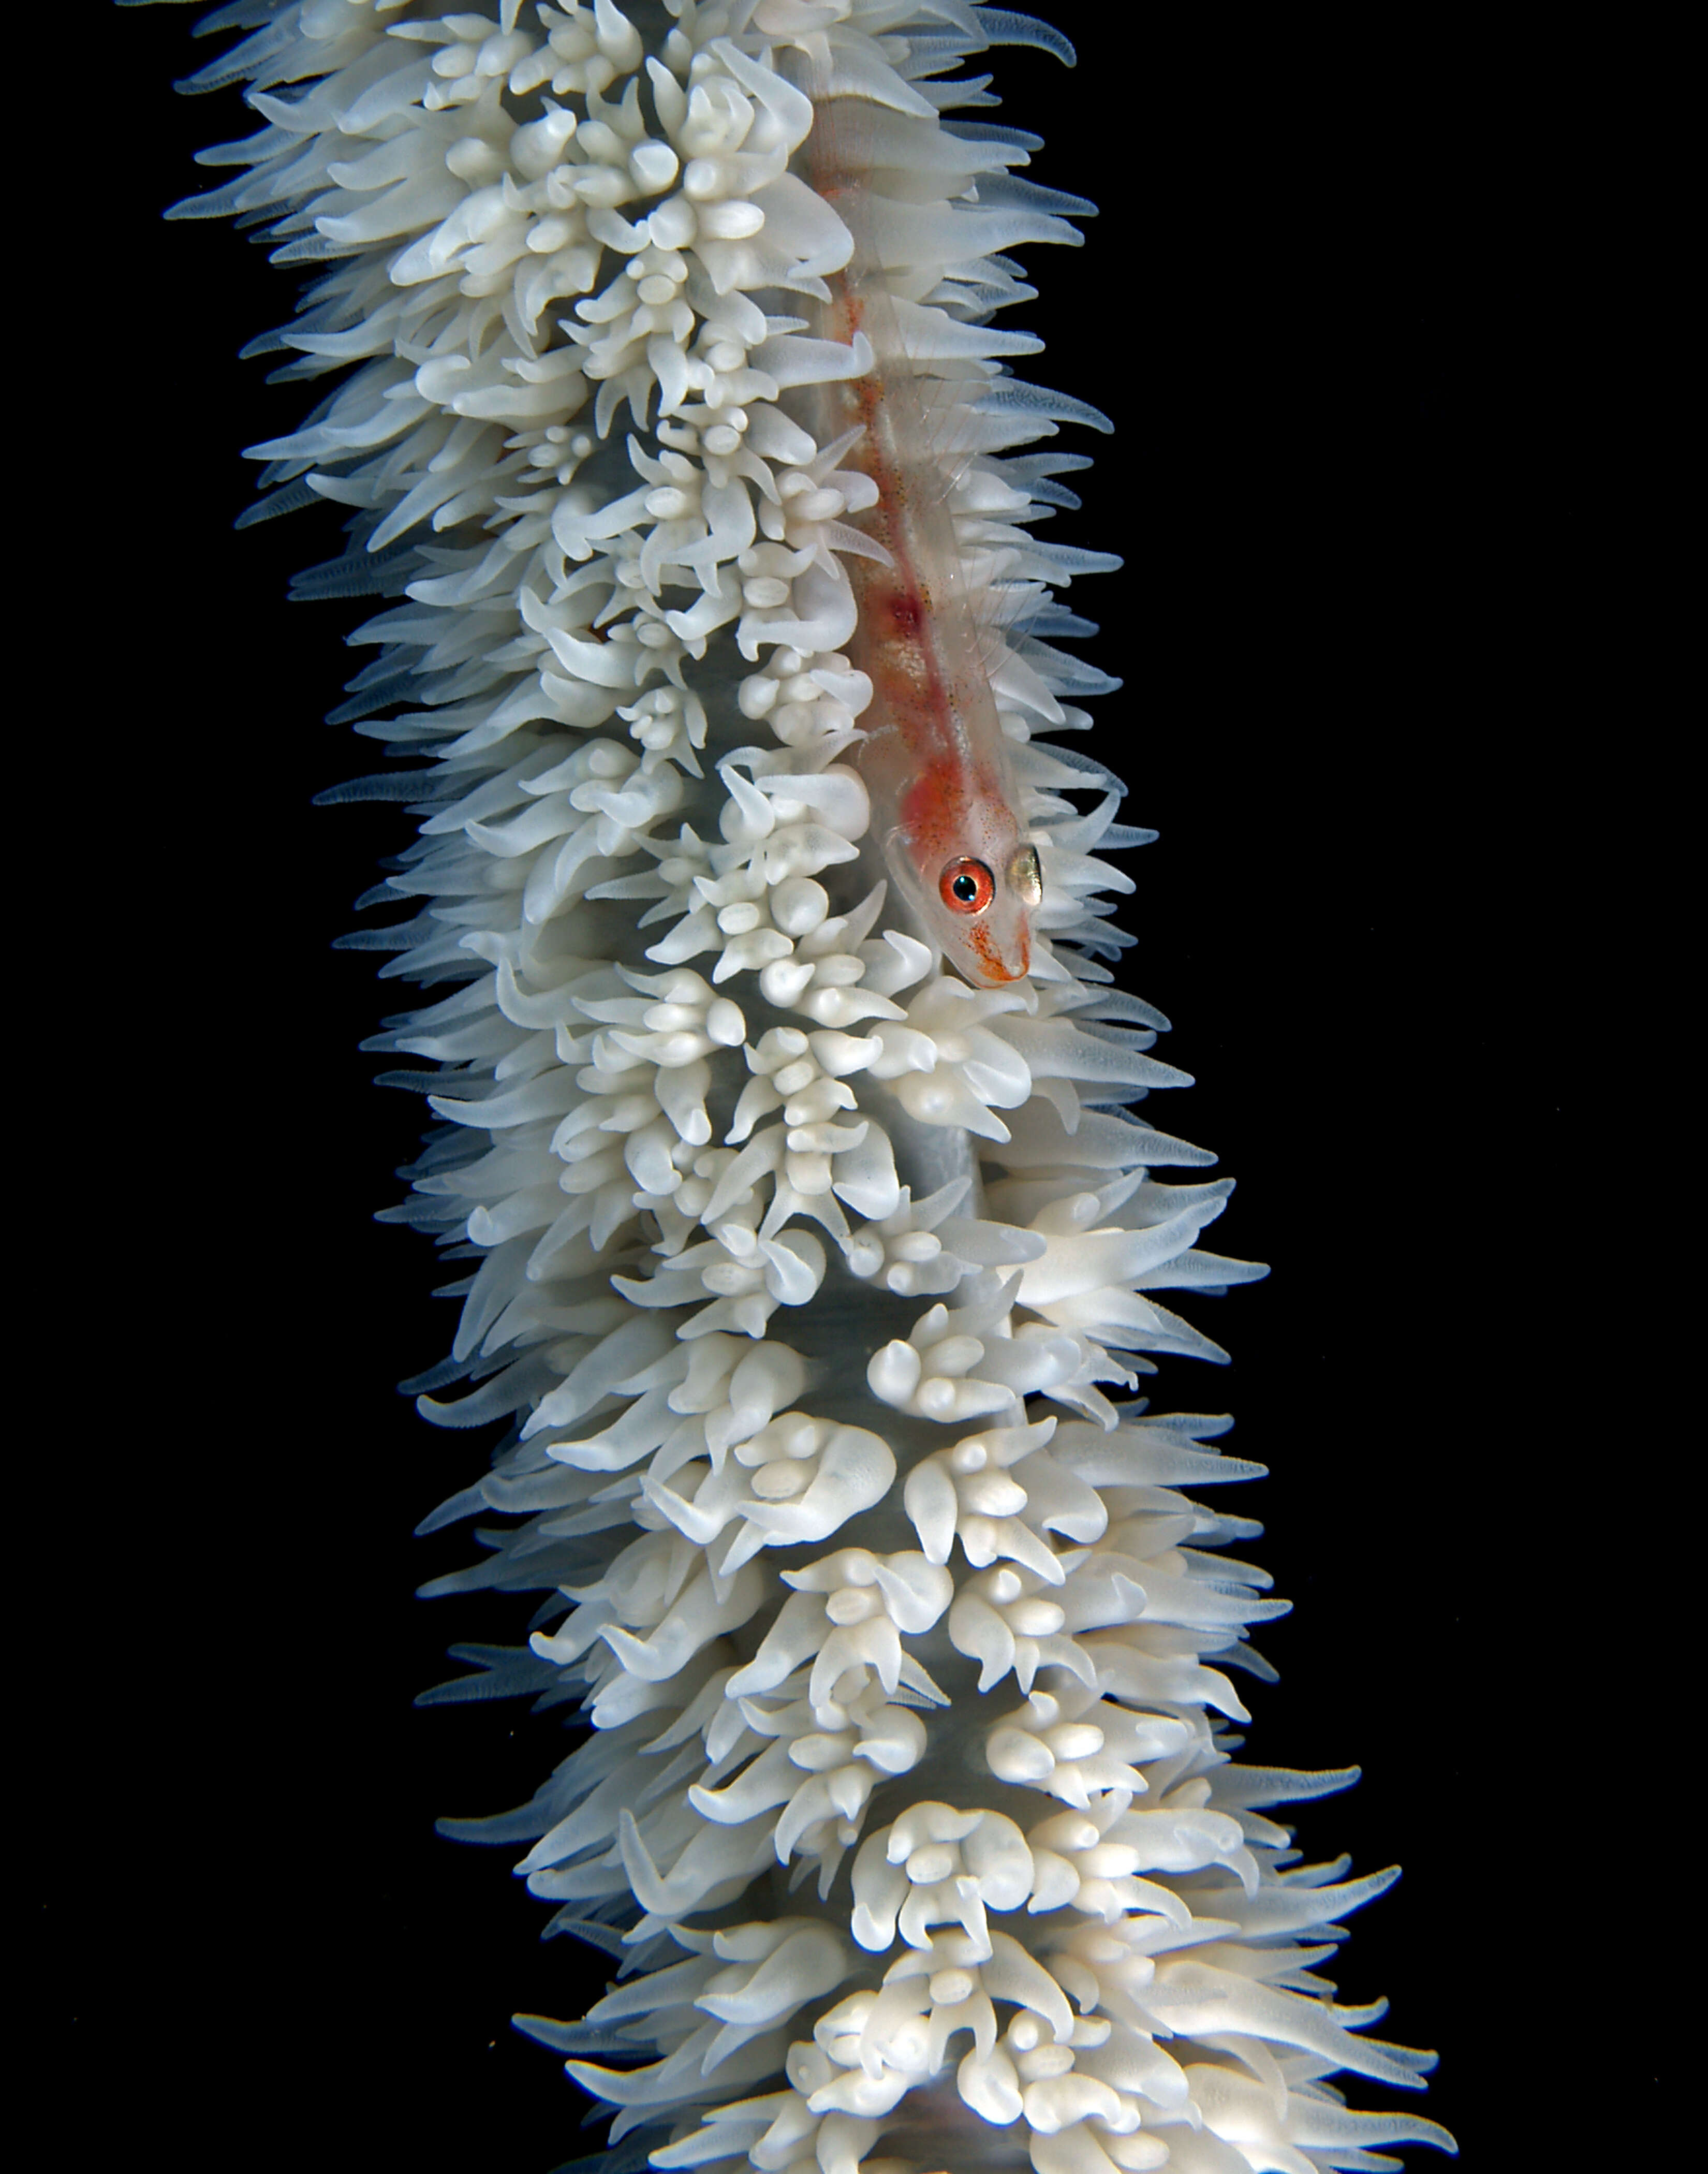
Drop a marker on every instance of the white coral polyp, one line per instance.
(806, 1274)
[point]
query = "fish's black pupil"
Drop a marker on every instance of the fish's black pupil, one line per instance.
(965, 889)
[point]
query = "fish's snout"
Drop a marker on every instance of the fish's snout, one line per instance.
(997, 967)
(999, 948)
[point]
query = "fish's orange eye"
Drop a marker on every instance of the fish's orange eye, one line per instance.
(967, 886)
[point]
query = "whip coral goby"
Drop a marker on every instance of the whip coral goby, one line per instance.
(933, 755)
(809, 1246)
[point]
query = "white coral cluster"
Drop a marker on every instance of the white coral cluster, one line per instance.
(804, 1271)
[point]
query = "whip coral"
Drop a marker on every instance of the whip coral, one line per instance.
(810, 1270)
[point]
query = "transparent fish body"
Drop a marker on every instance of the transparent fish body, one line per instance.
(945, 808)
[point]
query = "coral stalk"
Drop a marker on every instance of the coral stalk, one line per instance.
(810, 1268)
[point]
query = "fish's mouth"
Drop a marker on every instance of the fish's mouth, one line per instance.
(991, 962)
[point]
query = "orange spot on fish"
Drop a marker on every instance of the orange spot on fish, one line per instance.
(931, 803)
(992, 961)
(906, 614)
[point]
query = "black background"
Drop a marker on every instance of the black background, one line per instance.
(1347, 301)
